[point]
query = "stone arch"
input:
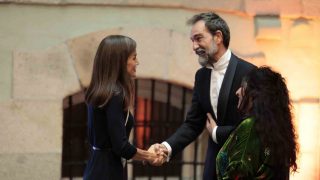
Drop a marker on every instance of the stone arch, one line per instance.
(53, 73)
(163, 53)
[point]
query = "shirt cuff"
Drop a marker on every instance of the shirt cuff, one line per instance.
(169, 149)
(214, 134)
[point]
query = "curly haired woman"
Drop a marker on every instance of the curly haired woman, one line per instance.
(263, 146)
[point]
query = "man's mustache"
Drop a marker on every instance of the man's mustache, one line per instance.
(200, 52)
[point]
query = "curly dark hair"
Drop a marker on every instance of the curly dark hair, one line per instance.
(266, 99)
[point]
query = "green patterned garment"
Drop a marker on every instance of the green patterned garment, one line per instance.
(242, 156)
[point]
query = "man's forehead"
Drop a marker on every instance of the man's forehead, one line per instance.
(198, 32)
(198, 29)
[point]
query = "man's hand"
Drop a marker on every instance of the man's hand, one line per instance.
(211, 123)
(162, 154)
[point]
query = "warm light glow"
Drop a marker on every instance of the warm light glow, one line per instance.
(308, 125)
(296, 55)
(143, 116)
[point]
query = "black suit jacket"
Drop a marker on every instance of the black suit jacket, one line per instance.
(226, 119)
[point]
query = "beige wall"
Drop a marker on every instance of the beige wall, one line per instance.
(46, 54)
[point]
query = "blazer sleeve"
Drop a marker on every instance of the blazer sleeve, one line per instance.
(223, 133)
(117, 130)
(192, 126)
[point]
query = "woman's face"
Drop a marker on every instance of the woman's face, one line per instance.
(240, 94)
(132, 64)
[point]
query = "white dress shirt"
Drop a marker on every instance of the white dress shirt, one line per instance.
(217, 74)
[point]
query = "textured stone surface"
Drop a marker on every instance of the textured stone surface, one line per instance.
(5, 77)
(83, 50)
(35, 166)
(253, 7)
(296, 57)
(167, 55)
(267, 27)
(235, 5)
(243, 41)
(34, 124)
(47, 74)
(311, 8)
(184, 62)
(294, 8)
(31, 126)
(284, 7)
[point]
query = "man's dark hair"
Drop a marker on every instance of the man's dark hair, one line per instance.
(213, 22)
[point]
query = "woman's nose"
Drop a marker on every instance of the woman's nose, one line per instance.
(238, 92)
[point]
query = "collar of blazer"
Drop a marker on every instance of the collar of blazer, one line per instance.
(226, 87)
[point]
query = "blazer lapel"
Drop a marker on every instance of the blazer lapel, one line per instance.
(226, 87)
(206, 92)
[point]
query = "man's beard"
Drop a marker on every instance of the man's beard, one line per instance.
(204, 57)
(203, 61)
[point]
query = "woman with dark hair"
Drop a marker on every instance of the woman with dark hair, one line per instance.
(263, 146)
(110, 98)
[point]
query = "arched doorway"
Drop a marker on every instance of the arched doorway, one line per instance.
(161, 107)
(75, 146)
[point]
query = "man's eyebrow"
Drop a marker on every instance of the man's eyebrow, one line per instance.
(196, 36)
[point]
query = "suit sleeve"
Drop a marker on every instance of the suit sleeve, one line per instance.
(223, 133)
(192, 126)
(117, 130)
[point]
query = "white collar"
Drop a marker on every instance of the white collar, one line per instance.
(223, 62)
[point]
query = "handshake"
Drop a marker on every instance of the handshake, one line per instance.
(157, 155)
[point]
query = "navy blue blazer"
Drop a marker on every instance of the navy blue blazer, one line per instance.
(109, 135)
(227, 117)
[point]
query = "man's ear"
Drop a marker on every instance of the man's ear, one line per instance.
(218, 38)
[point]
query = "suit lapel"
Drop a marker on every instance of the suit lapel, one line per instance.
(206, 92)
(226, 87)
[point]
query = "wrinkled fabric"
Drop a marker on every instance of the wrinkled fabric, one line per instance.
(242, 156)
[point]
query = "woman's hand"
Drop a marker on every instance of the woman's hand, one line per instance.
(211, 123)
(160, 153)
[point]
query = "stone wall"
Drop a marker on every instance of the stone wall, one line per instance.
(47, 48)
(252, 7)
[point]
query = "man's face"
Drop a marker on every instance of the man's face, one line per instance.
(203, 43)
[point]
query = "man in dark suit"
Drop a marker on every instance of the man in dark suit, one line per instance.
(214, 90)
